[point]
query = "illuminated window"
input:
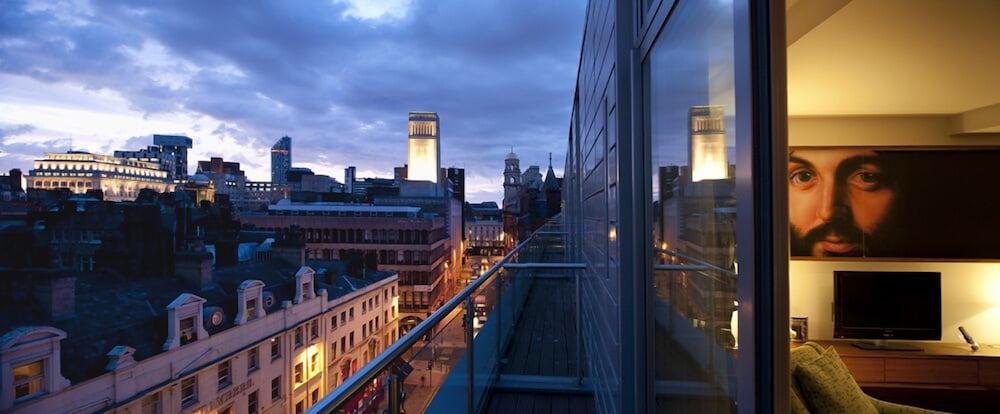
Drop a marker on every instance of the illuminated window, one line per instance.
(298, 373)
(29, 379)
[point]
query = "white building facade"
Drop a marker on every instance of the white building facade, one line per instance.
(278, 362)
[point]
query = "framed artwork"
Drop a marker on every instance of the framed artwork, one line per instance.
(924, 203)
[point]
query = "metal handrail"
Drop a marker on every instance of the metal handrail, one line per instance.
(376, 366)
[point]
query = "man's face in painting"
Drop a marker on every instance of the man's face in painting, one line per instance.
(838, 199)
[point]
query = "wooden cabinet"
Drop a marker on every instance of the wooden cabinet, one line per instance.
(943, 376)
(942, 365)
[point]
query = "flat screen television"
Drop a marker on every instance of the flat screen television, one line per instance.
(887, 305)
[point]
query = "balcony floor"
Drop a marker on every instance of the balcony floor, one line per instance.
(544, 345)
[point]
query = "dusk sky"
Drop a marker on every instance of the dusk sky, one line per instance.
(338, 76)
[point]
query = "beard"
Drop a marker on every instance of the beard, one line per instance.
(838, 238)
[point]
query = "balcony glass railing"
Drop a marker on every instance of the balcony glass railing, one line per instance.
(449, 362)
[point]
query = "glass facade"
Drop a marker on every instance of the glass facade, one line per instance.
(691, 111)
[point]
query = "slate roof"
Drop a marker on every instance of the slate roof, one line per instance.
(112, 311)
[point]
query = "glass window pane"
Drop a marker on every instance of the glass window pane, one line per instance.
(692, 135)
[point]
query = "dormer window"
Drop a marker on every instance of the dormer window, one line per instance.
(29, 380)
(185, 321)
(187, 331)
(251, 308)
(304, 284)
(250, 295)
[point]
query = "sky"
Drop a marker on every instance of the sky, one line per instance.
(338, 76)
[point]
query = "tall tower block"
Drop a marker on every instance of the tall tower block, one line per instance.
(423, 147)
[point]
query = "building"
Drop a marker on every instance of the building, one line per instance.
(350, 176)
(228, 178)
(178, 145)
(423, 147)
(267, 337)
(167, 161)
(281, 160)
(11, 187)
(397, 238)
(511, 197)
(484, 236)
(119, 179)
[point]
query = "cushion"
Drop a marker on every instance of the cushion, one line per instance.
(800, 354)
(828, 387)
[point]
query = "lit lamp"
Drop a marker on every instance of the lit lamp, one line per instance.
(708, 143)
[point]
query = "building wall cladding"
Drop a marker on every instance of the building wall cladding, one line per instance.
(127, 388)
(593, 186)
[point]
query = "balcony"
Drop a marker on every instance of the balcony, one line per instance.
(507, 343)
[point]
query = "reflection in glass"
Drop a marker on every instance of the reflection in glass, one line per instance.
(691, 126)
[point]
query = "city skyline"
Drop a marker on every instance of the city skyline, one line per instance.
(116, 76)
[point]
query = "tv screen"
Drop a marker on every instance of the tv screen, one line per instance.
(887, 305)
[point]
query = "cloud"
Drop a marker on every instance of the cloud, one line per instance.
(338, 76)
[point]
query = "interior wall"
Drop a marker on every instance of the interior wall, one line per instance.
(970, 291)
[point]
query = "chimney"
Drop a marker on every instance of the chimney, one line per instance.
(195, 267)
(58, 295)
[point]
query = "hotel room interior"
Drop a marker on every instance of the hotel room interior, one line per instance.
(894, 202)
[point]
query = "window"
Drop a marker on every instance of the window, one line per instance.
(333, 323)
(151, 404)
(314, 329)
(298, 373)
(298, 336)
(369, 303)
(352, 340)
(251, 308)
(227, 410)
(189, 391)
(393, 291)
(253, 360)
(29, 379)
(276, 389)
(376, 322)
(314, 364)
(225, 372)
(187, 331)
(364, 331)
(315, 396)
(343, 317)
(300, 407)
(275, 348)
(343, 344)
(692, 115)
(252, 403)
(351, 313)
(364, 307)
(376, 300)
(333, 350)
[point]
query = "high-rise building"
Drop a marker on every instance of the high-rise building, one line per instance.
(178, 145)
(281, 160)
(423, 147)
(350, 175)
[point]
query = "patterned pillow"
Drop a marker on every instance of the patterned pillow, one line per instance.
(827, 386)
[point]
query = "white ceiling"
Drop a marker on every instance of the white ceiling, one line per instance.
(876, 57)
